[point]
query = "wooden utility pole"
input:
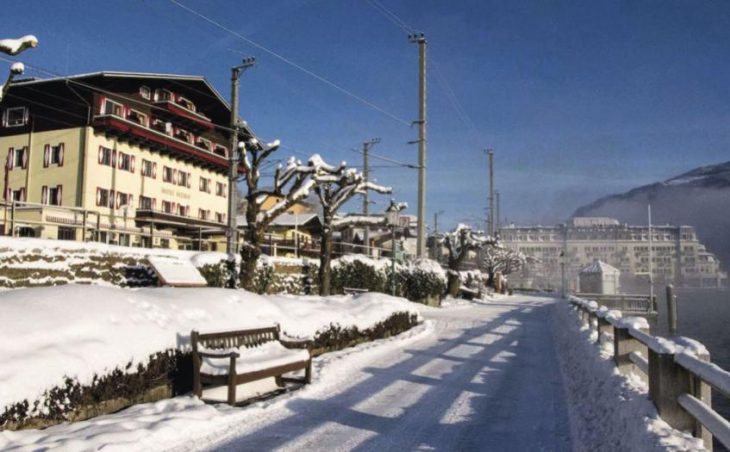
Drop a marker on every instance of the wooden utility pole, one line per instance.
(365, 199)
(496, 213)
(490, 215)
(233, 157)
(420, 39)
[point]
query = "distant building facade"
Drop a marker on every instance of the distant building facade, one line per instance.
(678, 256)
(126, 158)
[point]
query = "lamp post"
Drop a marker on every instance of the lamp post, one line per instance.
(392, 215)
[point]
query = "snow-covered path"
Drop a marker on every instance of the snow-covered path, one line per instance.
(488, 379)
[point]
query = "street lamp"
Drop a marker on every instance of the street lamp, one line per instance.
(392, 217)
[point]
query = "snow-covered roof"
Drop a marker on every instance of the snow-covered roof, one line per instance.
(598, 266)
(286, 219)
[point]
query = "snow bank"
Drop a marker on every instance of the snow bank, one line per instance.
(608, 411)
(78, 331)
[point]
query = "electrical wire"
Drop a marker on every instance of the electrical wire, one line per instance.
(292, 63)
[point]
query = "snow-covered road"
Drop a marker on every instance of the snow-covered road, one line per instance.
(487, 379)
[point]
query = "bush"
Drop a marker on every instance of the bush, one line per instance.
(359, 274)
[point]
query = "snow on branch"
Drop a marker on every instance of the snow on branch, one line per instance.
(15, 46)
(495, 258)
(359, 220)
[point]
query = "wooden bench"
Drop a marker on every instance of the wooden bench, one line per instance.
(236, 357)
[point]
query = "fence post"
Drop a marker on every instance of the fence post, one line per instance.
(667, 381)
(83, 228)
(623, 345)
(702, 391)
(603, 326)
(671, 310)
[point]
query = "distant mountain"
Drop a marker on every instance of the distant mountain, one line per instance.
(699, 198)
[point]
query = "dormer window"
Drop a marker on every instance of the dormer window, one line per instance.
(112, 108)
(15, 117)
(145, 92)
(138, 117)
(185, 103)
(162, 95)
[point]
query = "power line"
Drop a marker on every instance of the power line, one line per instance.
(292, 63)
(387, 159)
(391, 17)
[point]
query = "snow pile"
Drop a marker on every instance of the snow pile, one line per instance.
(607, 410)
(79, 331)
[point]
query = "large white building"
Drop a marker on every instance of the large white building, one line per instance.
(678, 256)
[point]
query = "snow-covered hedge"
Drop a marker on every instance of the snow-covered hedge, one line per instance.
(68, 349)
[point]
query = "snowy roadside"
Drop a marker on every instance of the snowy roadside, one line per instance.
(185, 423)
(80, 331)
(607, 410)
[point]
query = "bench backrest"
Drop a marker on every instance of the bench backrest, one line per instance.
(235, 339)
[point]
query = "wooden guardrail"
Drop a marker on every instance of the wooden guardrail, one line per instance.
(679, 372)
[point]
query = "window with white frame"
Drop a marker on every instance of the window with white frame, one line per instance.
(51, 195)
(168, 207)
(138, 117)
(113, 108)
(56, 155)
(20, 157)
(125, 162)
(146, 203)
(106, 156)
(183, 210)
(104, 197)
(221, 150)
(163, 95)
(168, 174)
(183, 178)
(145, 92)
(204, 184)
(149, 169)
(202, 143)
(203, 214)
(15, 116)
(220, 189)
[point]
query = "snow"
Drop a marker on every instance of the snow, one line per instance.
(177, 272)
(15, 46)
(17, 68)
(512, 373)
(265, 356)
(80, 330)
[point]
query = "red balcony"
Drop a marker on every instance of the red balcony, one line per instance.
(171, 111)
(141, 135)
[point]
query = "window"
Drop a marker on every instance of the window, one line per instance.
(183, 179)
(15, 117)
(18, 158)
(168, 174)
(138, 117)
(125, 162)
(204, 184)
(106, 156)
(145, 92)
(124, 200)
(168, 206)
(17, 195)
(184, 135)
(113, 108)
(146, 203)
(56, 157)
(203, 214)
(163, 95)
(220, 189)
(149, 169)
(183, 210)
(104, 197)
(185, 103)
(221, 150)
(162, 126)
(51, 195)
(66, 233)
(202, 143)
(220, 217)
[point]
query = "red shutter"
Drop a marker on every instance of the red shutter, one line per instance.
(120, 159)
(98, 196)
(61, 148)
(101, 154)
(44, 194)
(11, 158)
(26, 151)
(58, 195)
(131, 163)
(119, 200)
(46, 155)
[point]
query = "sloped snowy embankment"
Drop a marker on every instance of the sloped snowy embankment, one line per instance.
(608, 411)
(79, 331)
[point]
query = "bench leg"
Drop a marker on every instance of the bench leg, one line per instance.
(232, 390)
(308, 373)
(279, 381)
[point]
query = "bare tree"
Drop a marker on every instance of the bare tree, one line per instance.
(14, 47)
(495, 258)
(334, 186)
(459, 243)
(291, 184)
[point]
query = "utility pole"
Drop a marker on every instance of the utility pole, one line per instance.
(365, 200)
(490, 215)
(233, 159)
(496, 213)
(420, 39)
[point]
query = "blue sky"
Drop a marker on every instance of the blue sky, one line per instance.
(578, 99)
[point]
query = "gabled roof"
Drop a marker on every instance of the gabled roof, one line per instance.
(598, 266)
